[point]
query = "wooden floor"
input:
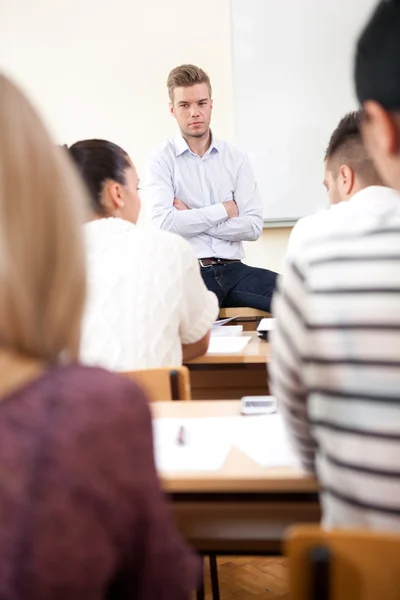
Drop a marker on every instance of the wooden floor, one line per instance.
(250, 578)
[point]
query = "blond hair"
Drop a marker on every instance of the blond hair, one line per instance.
(42, 209)
(186, 76)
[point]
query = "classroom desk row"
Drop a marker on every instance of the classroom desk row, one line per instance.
(231, 376)
(241, 508)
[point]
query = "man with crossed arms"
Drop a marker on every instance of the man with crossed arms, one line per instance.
(203, 189)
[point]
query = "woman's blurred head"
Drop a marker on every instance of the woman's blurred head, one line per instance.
(110, 177)
(42, 208)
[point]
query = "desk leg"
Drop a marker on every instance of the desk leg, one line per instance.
(214, 577)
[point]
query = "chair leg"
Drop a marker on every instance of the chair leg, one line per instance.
(214, 577)
(200, 592)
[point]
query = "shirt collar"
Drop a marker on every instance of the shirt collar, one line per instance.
(375, 194)
(181, 145)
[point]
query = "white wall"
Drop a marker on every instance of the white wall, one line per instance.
(97, 68)
(293, 82)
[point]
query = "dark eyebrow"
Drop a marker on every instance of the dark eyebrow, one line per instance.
(185, 102)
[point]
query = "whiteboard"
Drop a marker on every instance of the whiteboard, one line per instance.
(292, 82)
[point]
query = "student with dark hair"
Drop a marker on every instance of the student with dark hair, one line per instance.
(377, 78)
(147, 304)
(349, 174)
(336, 350)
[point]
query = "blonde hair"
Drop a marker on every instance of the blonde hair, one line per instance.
(186, 76)
(42, 209)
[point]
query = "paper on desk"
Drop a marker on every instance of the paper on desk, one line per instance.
(264, 440)
(220, 322)
(206, 444)
(228, 330)
(227, 345)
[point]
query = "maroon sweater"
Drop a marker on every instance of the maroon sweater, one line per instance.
(82, 516)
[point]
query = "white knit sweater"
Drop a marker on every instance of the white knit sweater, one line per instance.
(146, 297)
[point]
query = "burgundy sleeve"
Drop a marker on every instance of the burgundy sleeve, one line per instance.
(164, 566)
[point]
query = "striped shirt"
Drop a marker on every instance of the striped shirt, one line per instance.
(336, 359)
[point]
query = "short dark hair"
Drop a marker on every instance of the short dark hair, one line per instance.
(346, 147)
(377, 64)
(186, 76)
(99, 161)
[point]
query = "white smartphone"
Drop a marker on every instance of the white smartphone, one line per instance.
(258, 405)
(265, 326)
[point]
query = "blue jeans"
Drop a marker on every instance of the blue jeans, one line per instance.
(237, 284)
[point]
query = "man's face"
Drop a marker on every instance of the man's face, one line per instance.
(381, 136)
(192, 108)
(332, 186)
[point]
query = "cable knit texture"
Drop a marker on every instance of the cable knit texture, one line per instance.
(146, 297)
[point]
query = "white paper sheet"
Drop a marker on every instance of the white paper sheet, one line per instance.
(227, 345)
(220, 322)
(209, 440)
(264, 440)
(205, 449)
(227, 331)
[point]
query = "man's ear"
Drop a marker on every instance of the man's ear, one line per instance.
(347, 177)
(380, 129)
(172, 110)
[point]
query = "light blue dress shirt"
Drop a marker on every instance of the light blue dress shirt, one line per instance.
(203, 184)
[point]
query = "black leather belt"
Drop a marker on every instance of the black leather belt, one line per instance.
(209, 262)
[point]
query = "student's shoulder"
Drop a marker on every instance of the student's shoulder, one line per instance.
(171, 241)
(230, 151)
(87, 390)
(163, 241)
(305, 229)
(311, 223)
(164, 152)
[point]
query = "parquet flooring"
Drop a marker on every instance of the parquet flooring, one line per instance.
(250, 578)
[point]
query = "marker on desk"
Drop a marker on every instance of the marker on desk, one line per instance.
(181, 439)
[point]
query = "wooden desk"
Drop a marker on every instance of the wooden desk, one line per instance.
(231, 376)
(243, 507)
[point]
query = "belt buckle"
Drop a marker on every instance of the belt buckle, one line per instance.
(204, 266)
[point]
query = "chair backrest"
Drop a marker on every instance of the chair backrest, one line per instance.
(164, 383)
(242, 313)
(343, 564)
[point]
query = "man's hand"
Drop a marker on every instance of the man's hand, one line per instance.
(231, 208)
(179, 205)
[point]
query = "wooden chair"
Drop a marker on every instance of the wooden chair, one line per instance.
(343, 564)
(164, 383)
(249, 318)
